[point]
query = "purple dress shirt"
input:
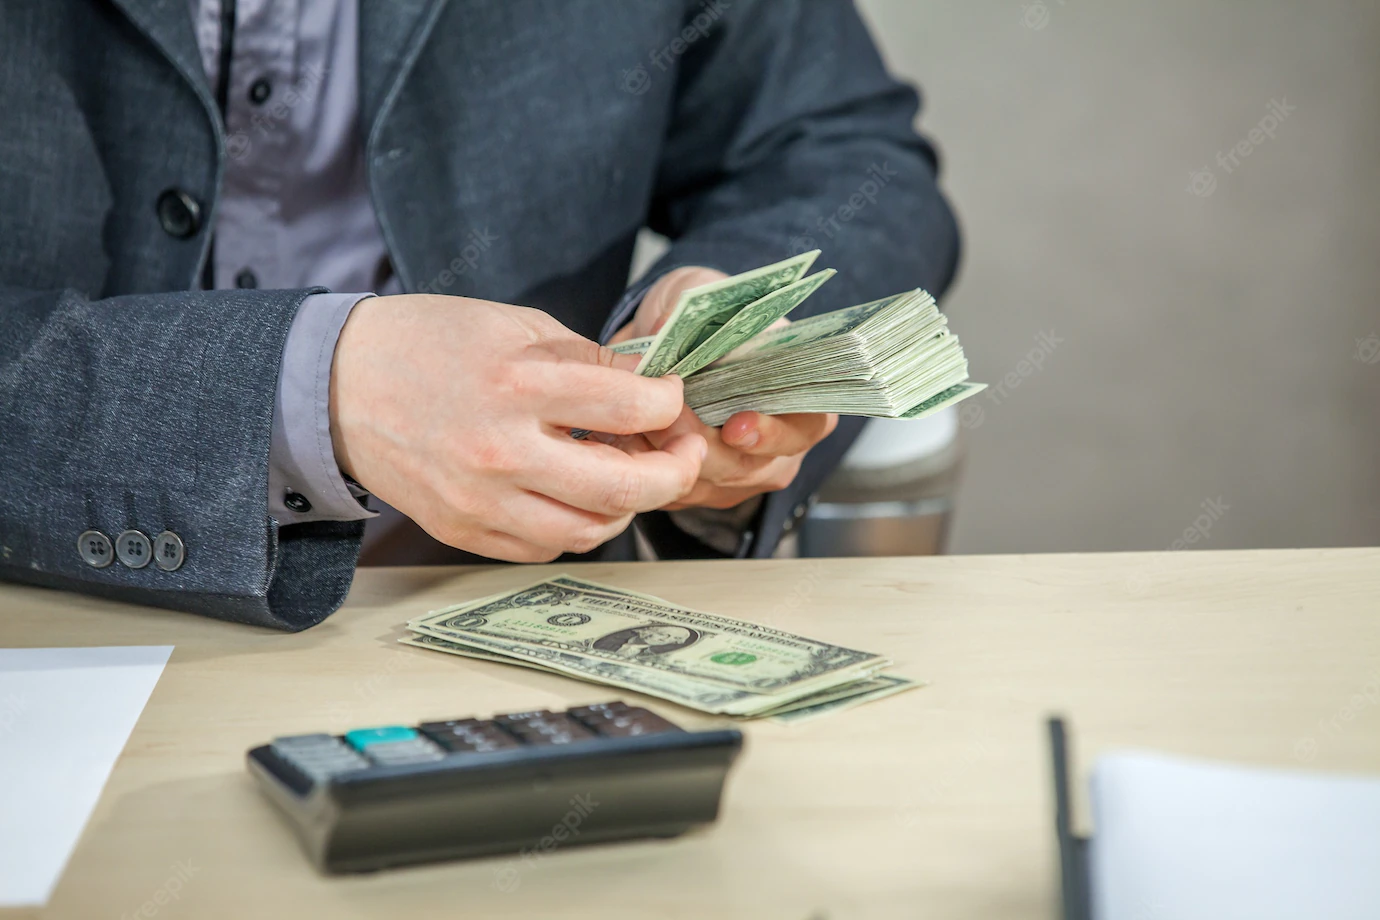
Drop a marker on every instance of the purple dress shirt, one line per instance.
(295, 212)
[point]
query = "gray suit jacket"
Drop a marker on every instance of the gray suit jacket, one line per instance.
(556, 128)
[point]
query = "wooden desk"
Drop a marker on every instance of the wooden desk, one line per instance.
(931, 804)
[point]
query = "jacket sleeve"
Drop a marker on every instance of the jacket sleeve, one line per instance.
(153, 413)
(787, 135)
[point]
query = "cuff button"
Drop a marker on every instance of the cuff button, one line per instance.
(133, 549)
(296, 501)
(95, 549)
(168, 551)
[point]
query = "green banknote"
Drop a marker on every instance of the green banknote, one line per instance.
(953, 394)
(634, 346)
(717, 664)
(700, 311)
(855, 695)
(749, 321)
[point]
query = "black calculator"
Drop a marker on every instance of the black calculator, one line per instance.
(526, 782)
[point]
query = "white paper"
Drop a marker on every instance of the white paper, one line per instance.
(65, 715)
(1183, 840)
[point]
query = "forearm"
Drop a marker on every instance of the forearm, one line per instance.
(154, 413)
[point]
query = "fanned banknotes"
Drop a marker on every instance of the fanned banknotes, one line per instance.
(594, 632)
(891, 358)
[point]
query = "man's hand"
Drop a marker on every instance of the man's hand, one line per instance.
(752, 453)
(457, 412)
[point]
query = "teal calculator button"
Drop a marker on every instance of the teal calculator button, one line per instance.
(362, 738)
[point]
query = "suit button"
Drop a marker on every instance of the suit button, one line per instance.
(179, 213)
(295, 501)
(246, 279)
(259, 91)
(168, 551)
(133, 549)
(95, 549)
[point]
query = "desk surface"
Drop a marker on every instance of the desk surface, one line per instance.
(932, 803)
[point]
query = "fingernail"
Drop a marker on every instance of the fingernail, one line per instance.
(704, 449)
(749, 440)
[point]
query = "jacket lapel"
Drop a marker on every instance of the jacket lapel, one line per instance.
(391, 35)
(168, 24)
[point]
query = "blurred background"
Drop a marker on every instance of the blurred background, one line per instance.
(1207, 332)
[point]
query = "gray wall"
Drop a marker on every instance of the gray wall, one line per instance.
(1204, 346)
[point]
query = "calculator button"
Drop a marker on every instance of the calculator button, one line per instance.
(363, 738)
(318, 756)
(394, 753)
(622, 721)
(469, 735)
(540, 728)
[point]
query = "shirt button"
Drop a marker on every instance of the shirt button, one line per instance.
(296, 501)
(168, 551)
(259, 91)
(133, 549)
(246, 279)
(95, 549)
(179, 213)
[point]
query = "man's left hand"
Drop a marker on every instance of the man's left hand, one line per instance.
(752, 453)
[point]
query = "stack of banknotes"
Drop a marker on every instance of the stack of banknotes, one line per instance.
(892, 358)
(610, 636)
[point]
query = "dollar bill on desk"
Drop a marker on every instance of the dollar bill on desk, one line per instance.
(638, 642)
(864, 691)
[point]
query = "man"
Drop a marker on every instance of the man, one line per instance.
(198, 199)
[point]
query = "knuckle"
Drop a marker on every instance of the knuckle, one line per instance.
(624, 416)
(590, 538)
(519, 550)
(621, 493)
(503, 377)
(542, 555)
(494, 455)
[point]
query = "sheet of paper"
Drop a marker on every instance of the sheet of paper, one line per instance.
(65, 714)
(1186, 840)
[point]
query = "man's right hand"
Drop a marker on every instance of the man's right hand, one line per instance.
(457, 412)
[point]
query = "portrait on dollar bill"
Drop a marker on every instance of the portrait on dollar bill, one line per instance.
(647, 641)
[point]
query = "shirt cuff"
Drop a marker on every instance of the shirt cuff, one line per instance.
(304, 483)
